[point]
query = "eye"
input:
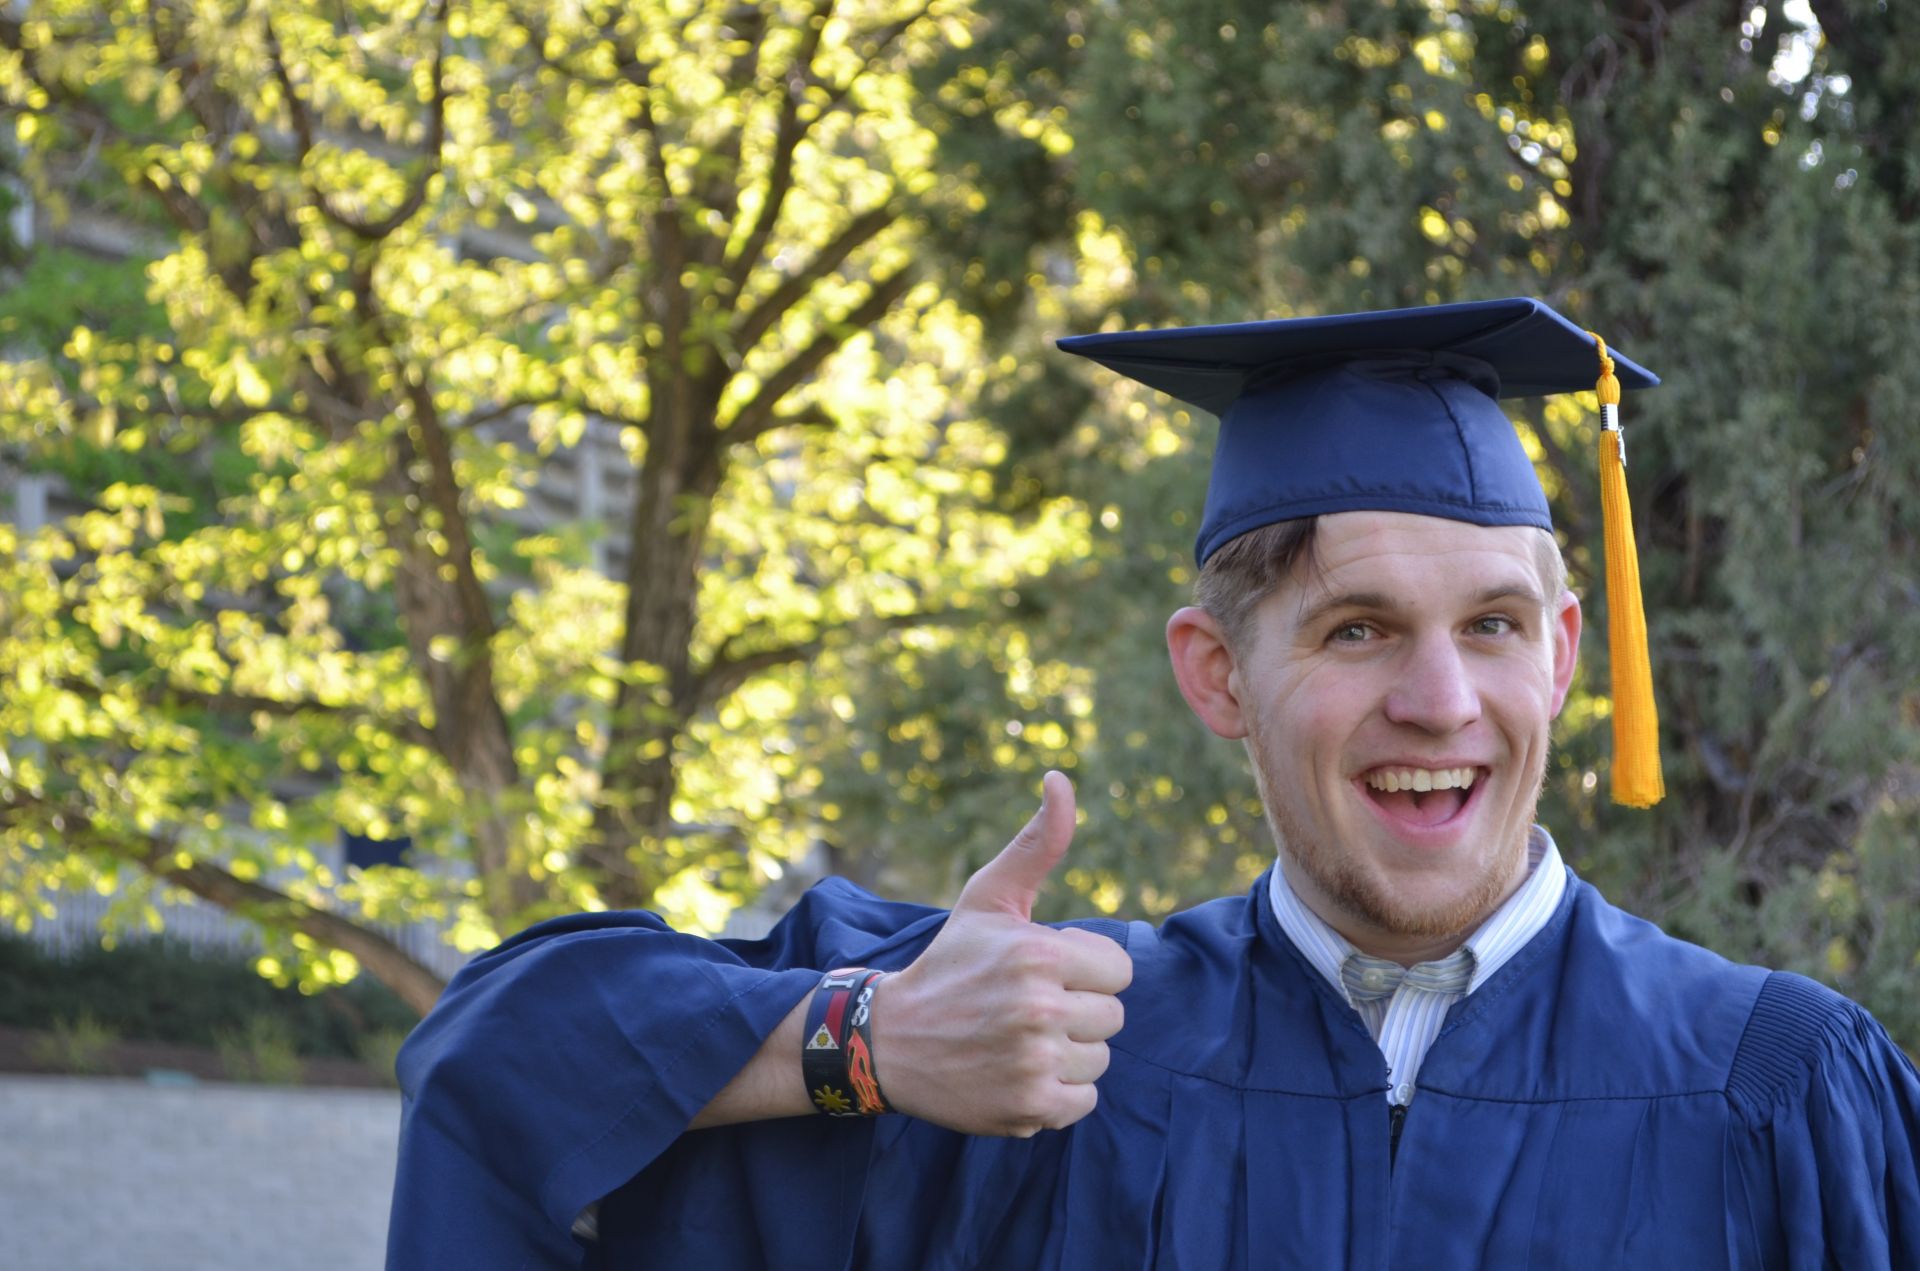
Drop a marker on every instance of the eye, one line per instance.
(1493, 624)
(1350, 633)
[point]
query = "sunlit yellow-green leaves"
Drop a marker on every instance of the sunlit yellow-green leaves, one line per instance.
(363, 235)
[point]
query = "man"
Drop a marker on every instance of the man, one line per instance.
(1418, 1042)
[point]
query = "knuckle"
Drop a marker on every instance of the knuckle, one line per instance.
(1039, 1013)
(1038, 1062)
(1025, 842)
(1039, 1112)
(1036, 952)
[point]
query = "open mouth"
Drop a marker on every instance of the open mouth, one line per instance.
(1422, 796)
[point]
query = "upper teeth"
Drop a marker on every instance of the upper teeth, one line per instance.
(1391, 779)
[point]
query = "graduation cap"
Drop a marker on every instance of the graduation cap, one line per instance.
(1397, 410)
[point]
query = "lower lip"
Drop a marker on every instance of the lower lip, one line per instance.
(1438, 835)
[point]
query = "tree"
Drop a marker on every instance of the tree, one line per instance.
(1719, 189)
(386, 234)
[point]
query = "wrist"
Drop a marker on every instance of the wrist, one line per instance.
(837, 1053)
(908, 1054)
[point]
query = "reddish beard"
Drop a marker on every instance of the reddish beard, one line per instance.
(1359, 894)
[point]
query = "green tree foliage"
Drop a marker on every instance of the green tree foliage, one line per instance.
(1718, 189)
(916, 569)
(300, 604)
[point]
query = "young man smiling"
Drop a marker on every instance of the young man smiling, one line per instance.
(1395, 698)
(1419, 1041)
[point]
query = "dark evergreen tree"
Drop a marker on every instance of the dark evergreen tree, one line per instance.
(1723, 190)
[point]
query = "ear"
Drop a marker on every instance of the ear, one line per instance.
(1203, 666)
(1566, 647)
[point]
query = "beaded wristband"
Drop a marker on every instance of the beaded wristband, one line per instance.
(837, 1057)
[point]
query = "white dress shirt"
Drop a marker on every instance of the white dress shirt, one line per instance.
(1406, 1023)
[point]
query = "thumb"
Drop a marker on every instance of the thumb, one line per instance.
(1009, 882)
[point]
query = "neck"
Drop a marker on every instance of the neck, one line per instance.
(1407, 943)
(1408, 951)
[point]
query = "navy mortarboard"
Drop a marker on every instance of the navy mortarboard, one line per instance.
(1399, 411)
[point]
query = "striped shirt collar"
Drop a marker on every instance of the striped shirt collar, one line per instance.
(1496, 940)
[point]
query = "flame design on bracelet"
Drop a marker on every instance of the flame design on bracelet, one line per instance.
(860, 1073)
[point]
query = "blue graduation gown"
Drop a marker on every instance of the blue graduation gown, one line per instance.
(1612, 1097)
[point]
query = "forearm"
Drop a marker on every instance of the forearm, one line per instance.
(770, 1086)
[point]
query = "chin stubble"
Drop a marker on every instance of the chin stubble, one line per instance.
(1360, 895)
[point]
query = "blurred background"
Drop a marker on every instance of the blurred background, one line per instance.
(465, 461)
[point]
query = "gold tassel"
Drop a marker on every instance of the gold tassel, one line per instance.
(1636, 721)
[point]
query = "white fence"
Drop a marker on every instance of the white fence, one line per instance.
(207, 928)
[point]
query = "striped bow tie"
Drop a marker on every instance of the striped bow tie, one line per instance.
(1369, 979)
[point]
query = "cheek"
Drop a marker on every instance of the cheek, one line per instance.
(1313, 712)
(1522, 698)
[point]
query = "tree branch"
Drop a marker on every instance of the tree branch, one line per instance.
(171, 696)
(409, 730)
(719, 174)
(884, 39)
(615, 254)
(416, 195)
(660, 289)
(220, 118)
(212, 415)
(724, 675)
(442, 491)
(297, 111)
(186, 212)
(787, 136)
(757, 416)
(385, 960)
(761, 318)
(791, 131)
(494, 414)
(215, 112)
(536, 32)
(728, 670)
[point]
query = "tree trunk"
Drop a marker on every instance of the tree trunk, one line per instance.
(469, 730)
(442, 611)
(678, 479)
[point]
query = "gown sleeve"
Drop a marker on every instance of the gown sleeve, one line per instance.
(1825, 1143)
(560, 1064)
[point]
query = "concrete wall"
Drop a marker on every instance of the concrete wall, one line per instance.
(114, 1175)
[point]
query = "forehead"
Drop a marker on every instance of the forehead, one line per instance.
(1416, 560)
(1353, 537)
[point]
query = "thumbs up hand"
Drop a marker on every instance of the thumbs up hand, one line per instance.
(1000, 1027)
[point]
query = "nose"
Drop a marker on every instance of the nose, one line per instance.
(1435, 691)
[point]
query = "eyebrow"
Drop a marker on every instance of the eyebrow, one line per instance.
(1381, 602)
